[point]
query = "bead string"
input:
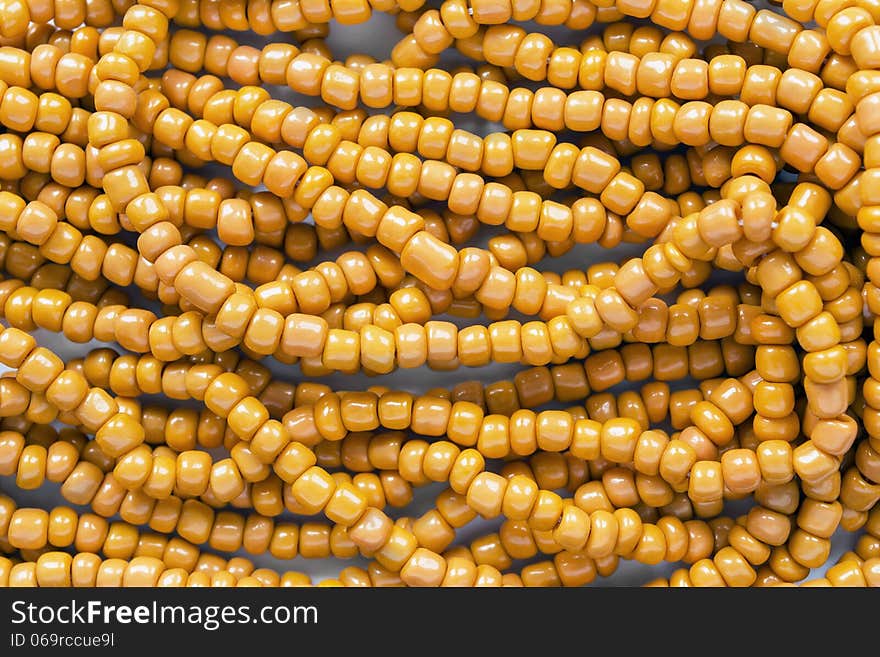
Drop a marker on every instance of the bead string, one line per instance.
(783, 428)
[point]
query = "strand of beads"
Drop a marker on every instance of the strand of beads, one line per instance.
(375, 217)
